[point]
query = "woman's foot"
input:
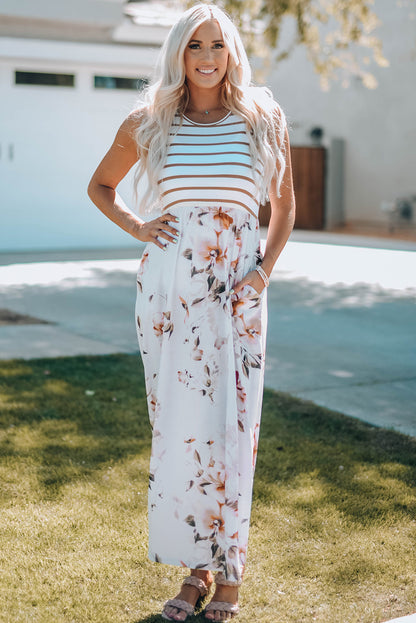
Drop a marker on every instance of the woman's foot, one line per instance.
(190, 594)
(227, 595)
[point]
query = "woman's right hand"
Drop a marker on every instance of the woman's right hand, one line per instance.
(153, 231)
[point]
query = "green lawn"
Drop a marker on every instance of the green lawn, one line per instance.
(334, 513)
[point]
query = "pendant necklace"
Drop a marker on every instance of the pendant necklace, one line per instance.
(202, 112)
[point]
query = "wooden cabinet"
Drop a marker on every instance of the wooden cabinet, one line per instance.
(308, 166)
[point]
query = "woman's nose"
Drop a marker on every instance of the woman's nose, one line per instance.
(207, 54)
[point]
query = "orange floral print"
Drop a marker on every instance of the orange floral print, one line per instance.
(203, 354)
(212, 252)
(224, 218)
(213, 520)
(162, 323)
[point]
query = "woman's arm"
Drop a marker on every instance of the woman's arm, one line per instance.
(115, 165)
(281, 224)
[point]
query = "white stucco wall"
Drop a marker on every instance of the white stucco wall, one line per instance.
(379, 126)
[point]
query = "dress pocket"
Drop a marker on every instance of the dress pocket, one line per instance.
(252, 292)
(247, 300)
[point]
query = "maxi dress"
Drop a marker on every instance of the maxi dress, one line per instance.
(203, 350)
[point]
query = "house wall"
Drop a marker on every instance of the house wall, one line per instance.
(377, 125)
(52, 139)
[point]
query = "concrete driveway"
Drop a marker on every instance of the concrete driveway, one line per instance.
(342, 318)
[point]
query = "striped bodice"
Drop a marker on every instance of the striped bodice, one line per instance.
(209, 164)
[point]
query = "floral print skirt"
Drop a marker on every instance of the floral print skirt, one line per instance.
(203, 354)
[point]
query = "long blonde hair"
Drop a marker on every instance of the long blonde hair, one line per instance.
(168, 95)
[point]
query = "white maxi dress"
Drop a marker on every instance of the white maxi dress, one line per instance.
(203, 350)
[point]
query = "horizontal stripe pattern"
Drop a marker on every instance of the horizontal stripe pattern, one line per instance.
(209, 164)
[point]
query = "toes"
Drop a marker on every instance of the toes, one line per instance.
(170, 611)
(218, 615)
(174, 613)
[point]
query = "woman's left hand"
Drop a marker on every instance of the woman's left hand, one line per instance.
(253, 279)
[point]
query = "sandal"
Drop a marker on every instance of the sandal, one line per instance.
(181, 604)
(223, 606)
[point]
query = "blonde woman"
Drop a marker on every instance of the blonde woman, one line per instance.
(212, 147)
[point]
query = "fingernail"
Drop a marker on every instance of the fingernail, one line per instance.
(231, 291)
(165, 247)
(174, 241)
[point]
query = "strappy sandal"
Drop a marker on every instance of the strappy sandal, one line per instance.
(181, 604)
(223, 606)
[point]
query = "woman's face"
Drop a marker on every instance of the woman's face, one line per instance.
(206, 56)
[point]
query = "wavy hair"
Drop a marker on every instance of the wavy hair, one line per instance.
(168, 95)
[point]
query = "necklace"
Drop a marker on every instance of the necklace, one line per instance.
(206, 111)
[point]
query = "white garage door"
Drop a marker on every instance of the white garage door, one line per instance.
(51, 140)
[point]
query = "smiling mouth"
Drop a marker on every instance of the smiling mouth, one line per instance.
(206, 72)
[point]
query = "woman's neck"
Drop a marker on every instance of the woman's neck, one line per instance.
(204, 101)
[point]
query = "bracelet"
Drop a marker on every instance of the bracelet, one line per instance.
(263, 275)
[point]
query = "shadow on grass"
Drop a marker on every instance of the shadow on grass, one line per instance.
(73, 415)
(363, 470)
(157, 618)
(81, 413)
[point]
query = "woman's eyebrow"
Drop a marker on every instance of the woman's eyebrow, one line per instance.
(198, 41)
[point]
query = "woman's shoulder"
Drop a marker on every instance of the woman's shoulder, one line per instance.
(134, 119)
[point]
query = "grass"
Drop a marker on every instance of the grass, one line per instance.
(334, 512)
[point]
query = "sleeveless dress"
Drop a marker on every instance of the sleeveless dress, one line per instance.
(203, 350)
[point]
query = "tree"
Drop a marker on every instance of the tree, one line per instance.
(338, 34)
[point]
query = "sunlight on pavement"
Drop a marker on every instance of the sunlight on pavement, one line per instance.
(89, 273)
(330, 264)
(319, 263)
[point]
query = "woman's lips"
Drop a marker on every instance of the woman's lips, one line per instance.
(207, 72)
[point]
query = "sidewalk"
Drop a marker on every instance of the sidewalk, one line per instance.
(341, 318)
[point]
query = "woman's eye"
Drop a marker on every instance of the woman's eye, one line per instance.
(196, 46)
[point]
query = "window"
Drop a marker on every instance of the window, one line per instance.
(44, 79)
(114, 82)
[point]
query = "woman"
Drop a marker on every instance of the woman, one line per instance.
(213, 147)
